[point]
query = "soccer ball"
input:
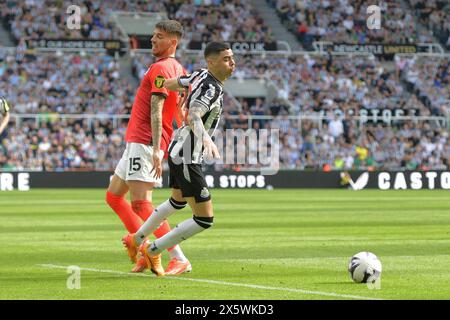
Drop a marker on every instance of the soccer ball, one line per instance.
(364, 267)
(4, 108)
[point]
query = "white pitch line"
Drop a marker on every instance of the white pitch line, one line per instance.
(225, 283)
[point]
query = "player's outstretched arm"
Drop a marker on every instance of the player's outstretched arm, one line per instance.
(173, 85)
(180, 83)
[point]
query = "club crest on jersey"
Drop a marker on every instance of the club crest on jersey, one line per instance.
(159, 81)
(204, 193)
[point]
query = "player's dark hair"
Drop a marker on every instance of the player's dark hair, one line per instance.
(172, 27)
(215, 48)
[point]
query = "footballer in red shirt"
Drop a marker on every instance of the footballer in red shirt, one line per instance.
(148, 135)
(139, 126)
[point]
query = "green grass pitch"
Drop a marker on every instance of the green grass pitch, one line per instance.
(279, 244)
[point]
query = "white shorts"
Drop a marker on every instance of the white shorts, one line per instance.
(136, 164)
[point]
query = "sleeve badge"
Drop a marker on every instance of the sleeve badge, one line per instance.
(159, 81)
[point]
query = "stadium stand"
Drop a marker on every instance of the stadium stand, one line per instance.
(46, 19)
(69, 83)
(428, 78)
(435, 15)
(61, 145)
(222, 20)
(54, 94)
(345, 21)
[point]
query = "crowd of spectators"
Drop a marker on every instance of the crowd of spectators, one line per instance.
(406, 145)
(35, 19)
(48, 85)
(321, 83)
(345, 21)
(225, 20)
(61, 145)
(434, 15)
(337, 142)
(429, 79)
(334, 88)
(64, 83)
(332, 144)
(203, 20)
(237, 20)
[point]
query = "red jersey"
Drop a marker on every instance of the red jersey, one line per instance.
(139, 128)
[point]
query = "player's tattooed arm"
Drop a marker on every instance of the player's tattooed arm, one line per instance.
(157, 104)
(194, 118)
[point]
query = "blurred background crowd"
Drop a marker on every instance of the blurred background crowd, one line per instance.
(56, 85)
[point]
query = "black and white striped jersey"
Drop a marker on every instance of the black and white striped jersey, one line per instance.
(207, 91)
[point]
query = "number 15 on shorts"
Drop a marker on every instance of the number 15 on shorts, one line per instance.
(135, 165)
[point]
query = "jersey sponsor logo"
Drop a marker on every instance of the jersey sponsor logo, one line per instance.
(204, 193)
(159, 81)
(209, 94)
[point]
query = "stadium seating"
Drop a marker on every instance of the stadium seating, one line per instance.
(69, 83)
(345, 21)
(61, 145)
(325, 90)
(228, 20)
(429, 79)
(222, 20)
(435, 15)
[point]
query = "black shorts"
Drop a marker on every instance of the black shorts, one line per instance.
(189, 178)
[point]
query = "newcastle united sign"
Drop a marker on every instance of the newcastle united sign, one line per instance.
(373, 48)
(387, 50)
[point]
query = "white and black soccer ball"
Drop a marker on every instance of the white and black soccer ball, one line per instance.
(364, 267)
(4, 108)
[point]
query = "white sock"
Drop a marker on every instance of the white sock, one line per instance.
(177, 253)
(162, 212)
(183, 231)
